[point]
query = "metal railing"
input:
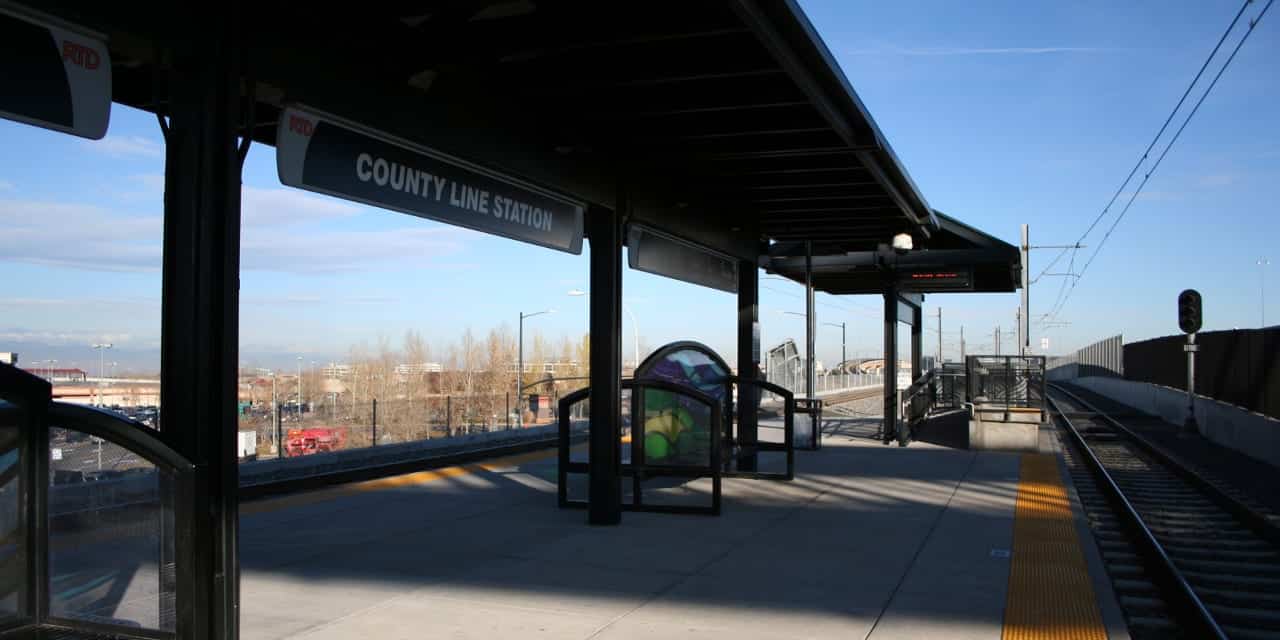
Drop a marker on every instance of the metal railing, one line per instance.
(1006, 383)
(824, 384)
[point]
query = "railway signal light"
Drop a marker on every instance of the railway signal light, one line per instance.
(1189, 316)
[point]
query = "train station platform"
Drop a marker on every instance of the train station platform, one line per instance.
(868, 542)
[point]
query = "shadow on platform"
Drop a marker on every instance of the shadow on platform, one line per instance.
(850, 546)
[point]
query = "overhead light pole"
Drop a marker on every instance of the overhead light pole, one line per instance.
(299, 388)
(101, 348)
(520, 363)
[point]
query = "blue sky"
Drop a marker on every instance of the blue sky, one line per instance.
(1004, 113)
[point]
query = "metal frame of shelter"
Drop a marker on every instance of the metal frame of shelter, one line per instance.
(729, 454)
(742, 445)
(639, 468)
(723, 130)
(27, 417)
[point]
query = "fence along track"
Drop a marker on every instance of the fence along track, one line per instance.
(1184, 555)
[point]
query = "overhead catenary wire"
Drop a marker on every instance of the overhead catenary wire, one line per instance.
(1253, 23)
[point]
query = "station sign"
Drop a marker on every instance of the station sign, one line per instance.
(55, 76)
(656, 252)
(324, 154)
(935, 280)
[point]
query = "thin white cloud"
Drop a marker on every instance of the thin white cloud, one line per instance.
(969, 51)
(338, 251)
(61, 338)
(262, 207)
(5, 185)
(120, 146)
(317, 299)
(79, 236)
(125, 301)
(273, 238)
(1217, 180)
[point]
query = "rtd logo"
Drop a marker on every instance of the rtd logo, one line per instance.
(80, 55)
(301, 125)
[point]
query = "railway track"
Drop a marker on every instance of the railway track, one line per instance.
(1187, 556)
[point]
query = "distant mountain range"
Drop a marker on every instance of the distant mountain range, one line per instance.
(140, 361)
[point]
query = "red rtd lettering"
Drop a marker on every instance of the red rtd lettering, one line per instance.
(80, 55)
(300, 125)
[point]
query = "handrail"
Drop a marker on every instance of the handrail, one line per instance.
(115, 428)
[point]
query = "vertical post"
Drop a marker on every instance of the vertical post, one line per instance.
(917, 342)
(844, 354)
(810, 324)
(962, 352)
(604, 497)
(520, 371)
(1190, 426)
(275, 404)
(938, 364)
(200, 304)
(448, 415)
(889, 385)
(507, 397)
(1024, 311)
(748, 361)
(374, 422)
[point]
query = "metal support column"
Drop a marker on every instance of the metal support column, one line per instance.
(1024, 313)
(200, 305)
(748, 360)
(890, 369)
(604, 497)
(917, 343)
(810, 324)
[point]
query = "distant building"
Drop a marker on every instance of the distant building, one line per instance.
(419, 368)
(61, 375)
(549, 368)
(337, 370)
(9, 357)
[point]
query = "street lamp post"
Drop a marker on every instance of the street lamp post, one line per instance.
(299, 388)
(101, 348)
(1262, 287)
(520, 363)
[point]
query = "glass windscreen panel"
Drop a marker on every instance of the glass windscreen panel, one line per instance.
(13, 551)
(677, 429)
(111, 534)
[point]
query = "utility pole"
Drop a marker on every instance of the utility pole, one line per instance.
(995, 339)
(102, 351)
(939, 362)
(299, 388)
(1024, 310)
(1017, 317)
(962, 344)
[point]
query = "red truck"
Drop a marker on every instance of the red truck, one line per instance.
(304, 442)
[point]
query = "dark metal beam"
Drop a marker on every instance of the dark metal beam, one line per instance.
(200, 303)
(748, 360)
(604, 501)
(890, 371)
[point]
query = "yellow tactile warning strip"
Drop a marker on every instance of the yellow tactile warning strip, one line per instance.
(408, 479)
(1050, 594)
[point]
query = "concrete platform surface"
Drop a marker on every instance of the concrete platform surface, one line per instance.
(869, 541)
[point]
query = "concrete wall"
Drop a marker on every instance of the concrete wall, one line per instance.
(1250, 433)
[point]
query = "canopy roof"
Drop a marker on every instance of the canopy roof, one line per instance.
(727, 122)
(956, 258)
